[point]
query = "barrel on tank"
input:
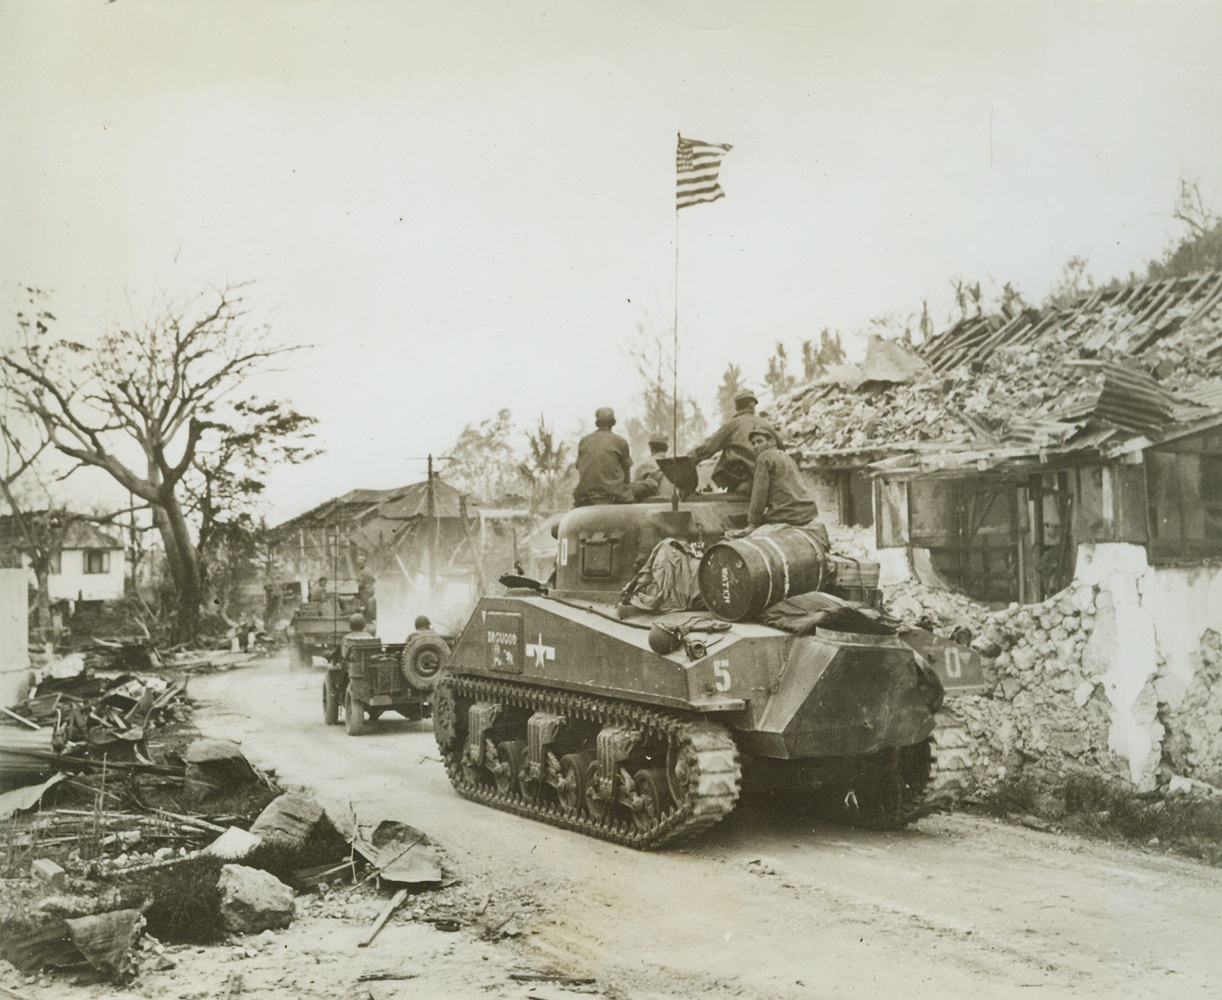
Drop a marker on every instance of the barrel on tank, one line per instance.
(740, 577)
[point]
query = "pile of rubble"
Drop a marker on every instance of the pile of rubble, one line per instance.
(1193, 743)
(97, 890)
(824, 416)
(1045, 714)
(1025, 391)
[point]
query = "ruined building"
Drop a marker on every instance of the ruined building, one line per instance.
(1063, 469)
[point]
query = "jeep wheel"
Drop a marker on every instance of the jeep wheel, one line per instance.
(330, 701)
(354, 715)
(423, 658)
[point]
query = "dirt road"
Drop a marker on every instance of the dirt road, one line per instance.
(764, 906)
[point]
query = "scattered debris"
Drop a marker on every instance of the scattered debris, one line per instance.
(48, 871)
(253, 900)
(399, 854)
(395, 902)
(289, 819)
(233, 844)
(215, 766)
(551, 977)
(107, 941)
(22, 799)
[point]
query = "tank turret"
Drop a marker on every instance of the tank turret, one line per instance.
(599, 549)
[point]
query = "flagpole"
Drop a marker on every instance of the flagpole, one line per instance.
(674, 398)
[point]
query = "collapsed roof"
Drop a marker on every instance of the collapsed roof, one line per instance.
(1133, 364)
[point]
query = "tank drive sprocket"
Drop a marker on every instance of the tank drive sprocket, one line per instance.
(623, 772)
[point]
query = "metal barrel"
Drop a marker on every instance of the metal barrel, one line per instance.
(740, 577)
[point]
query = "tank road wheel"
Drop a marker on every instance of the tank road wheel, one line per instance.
(423, 658)
(354, 714)
(598, 808)
(571, 791)
(563, 789)
(330, 701)
(511, 754)
(653, 792)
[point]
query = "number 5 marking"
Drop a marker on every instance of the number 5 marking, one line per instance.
(721, 675)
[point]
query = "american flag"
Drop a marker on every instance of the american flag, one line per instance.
(698, 164)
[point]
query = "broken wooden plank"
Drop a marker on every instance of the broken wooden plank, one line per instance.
(29, 724)
(551, 977)
(395, 902)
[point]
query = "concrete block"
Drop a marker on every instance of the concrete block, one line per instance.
(48, 871)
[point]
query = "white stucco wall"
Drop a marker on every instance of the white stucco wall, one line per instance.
(1150, 625)
(72, 583)
(14, 649)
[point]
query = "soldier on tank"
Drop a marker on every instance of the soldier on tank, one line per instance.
(737, 462)
(778, 493)
(603, 464)
(648, 474)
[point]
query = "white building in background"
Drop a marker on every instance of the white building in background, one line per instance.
(91, 565)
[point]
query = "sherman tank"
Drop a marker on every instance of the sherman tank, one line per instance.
(565, 703)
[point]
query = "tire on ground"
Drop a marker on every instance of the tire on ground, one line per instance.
(354, 715)
(423, 658)
(331, 687)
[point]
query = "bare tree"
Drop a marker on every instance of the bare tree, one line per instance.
(656, 410)
(547, 468)
(1190, 208)
(1201, 248)
(817, 360)
(1072, 283)
(136, 404)
(778, 376)
(483, 463)
(732, 383)
(227, 477)
(968, 297)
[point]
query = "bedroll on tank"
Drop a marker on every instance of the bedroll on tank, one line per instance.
(740, 577)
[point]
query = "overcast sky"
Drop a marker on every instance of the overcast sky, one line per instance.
(470, 205)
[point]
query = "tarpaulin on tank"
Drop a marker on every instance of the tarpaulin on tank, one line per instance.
(803, 613)
(667, 581)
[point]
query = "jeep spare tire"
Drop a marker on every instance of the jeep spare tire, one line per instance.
(423, 658)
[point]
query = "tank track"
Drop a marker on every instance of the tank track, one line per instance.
(951, 779)
(706, 763)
